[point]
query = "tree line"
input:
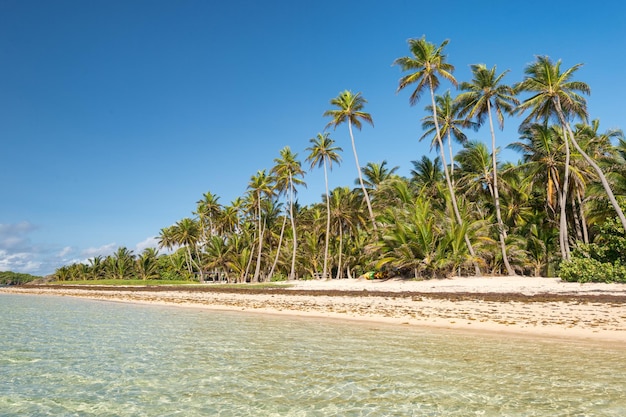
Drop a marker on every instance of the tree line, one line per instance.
(456, 214)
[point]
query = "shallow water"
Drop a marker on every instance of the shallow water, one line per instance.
(71, 357)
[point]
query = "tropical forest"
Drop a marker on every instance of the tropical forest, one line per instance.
(557, 211)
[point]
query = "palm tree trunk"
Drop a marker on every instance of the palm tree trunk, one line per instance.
(565, 252)
(470, 248)
(451, 157)
(563, 232)
(583, 221)
(596, 167)
(339, 272)
(292, 274)
(280, 242)
(325, 273)
(496, 196)
(257, 270)
(358, 168)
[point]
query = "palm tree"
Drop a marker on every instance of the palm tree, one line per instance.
(480, 96)
(260, 185)
(121, 263)
(376, 173)
(427, 64)
(208, 210)
(349, 110)
(553, 93)
(186, 234)
(288, 172)
(428, 175)
(346, 217)
(96, 267)
(450, 124)
(147, 265)
(322, 152)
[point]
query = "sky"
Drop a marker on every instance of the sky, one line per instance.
(116, 116)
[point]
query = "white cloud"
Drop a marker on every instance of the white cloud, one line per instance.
(65, 251)
(18, 262)
(150, 242)
(13, 237)
(103, 250)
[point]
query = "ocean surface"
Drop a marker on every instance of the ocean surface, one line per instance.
(62, 356)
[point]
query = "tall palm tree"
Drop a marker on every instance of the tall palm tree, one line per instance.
(426, 65)
(450, 124)
(208, 210)
(484, 93)
(347, 216)
(323, 152)
(186, 234)
(349, 109)
(553, 93)
(288, 173)
(261, 185)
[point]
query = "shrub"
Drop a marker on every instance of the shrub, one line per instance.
(603, 260)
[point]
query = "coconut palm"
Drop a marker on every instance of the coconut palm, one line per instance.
(288, 173)
(427, 174)
(450, 124)
(208, 211)
(484, 93)
(553, 93)
(375, 173)
(96, 267)
(260, 186)
(426, 65)
(147, 265)
(346, 217)
(121, 264)
(349, 109)
(323, 152)
(186, 234)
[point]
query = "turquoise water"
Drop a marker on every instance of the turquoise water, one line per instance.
(70, 357)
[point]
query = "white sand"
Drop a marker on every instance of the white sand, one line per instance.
(574, 319)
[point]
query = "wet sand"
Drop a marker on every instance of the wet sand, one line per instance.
(543, 307)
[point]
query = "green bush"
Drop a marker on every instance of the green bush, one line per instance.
(581, 269)
(603, 260)
(15, 278)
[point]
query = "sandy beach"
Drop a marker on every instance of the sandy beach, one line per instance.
(545, 307)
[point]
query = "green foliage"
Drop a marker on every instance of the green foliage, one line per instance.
(138, 282)
(581, 269)
(604, 260)
(278, 277)
(15, 278)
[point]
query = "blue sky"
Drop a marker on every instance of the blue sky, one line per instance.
(116, 116)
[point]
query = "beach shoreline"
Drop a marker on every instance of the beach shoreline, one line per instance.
(537, 307)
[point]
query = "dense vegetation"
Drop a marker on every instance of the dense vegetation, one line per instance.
(16, 278)
(467, 213)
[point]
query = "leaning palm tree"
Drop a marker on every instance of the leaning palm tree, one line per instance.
(426, 65)
(322, 152)
(484, 93)
(349, 109)
(553, 93)
(288, 173)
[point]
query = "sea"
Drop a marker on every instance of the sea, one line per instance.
(63, 356)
